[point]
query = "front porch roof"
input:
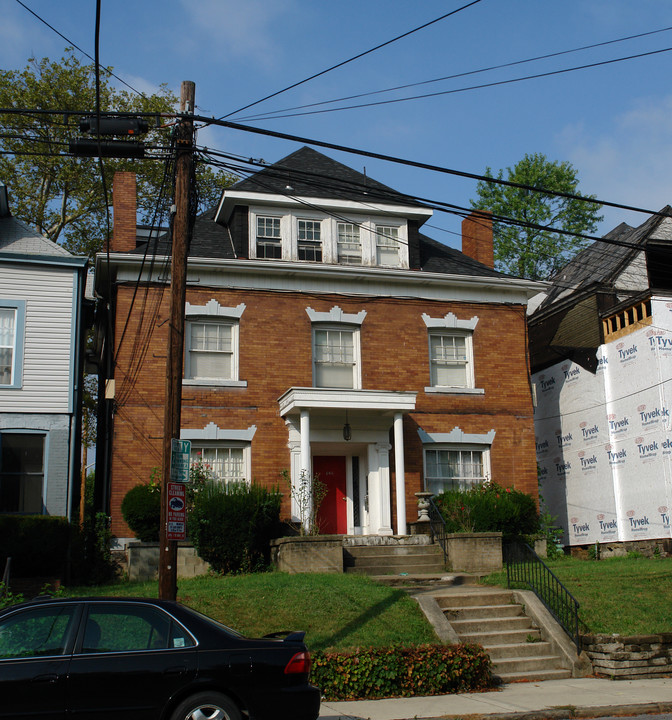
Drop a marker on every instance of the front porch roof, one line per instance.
(296, 399)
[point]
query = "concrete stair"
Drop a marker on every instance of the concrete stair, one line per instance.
(394, 559)
(491, 618)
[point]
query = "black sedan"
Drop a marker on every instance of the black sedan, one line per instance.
(142, 659)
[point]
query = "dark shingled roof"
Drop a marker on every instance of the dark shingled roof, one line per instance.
(311, 174)
(601, 262)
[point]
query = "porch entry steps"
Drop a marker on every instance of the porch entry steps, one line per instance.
(417, 559)
(492, 618)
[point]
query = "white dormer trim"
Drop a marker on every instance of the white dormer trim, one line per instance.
(336, 316)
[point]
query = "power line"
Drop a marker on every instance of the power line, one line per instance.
(352, 59)
(464, 89)
(269, 114)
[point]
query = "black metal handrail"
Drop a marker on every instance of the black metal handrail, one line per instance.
(438, 525)
(525, 567)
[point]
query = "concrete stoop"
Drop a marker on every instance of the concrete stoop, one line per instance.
(523, 640)
(396, 560)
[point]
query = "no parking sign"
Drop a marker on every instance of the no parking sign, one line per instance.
(177, 512)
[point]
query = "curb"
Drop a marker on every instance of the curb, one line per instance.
(569, 711)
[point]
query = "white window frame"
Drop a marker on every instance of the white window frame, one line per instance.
(350, 230)
(270, 239)
(450, 326)
(336, 319)
(318, 244)
(364, 224)
(17, 343)
(214, 437)
(213, 313)
(457, 441)
(386, 238)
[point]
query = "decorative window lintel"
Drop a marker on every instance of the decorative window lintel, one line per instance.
(336, 315)
(457, 436)
(213, 309)
(450, 321)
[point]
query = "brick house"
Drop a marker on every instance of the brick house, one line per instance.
(324, 334)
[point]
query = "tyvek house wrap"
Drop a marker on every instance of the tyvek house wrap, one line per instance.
(604, 441)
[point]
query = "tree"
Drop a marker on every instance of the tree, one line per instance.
(61, 196)
(531, 252)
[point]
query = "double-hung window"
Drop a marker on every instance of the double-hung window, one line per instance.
(309, 242)
(335, 354)
(211, 350)
(224, 463)
(21, 472)
(387, 246)
(454, 468)
(349, 244)
(12, 321)
(451, 354)
(269, 240)
(450, 359)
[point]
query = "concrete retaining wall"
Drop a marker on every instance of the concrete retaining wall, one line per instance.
(475, 552)
(314, 553)
(143, 561)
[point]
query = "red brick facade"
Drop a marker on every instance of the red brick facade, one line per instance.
(276, 354)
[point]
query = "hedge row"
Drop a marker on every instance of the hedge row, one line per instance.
(375, 673)
(37, 544)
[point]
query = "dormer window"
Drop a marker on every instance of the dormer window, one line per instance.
(269, 240)
(387, 245)
(349, 244)
(309, 242)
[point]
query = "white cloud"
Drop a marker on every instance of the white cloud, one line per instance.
(242, 30)
(627, 161)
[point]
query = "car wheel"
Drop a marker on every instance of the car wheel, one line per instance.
(207, 706)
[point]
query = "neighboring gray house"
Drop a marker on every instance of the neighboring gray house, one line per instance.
(42, 288)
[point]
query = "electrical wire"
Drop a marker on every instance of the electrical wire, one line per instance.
(440, 93)
(269, 114)
(352, 59)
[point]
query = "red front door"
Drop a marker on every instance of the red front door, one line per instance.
(333, 512)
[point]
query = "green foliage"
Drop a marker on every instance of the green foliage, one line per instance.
(308, 495)
(7, 597)
(489, 508)
(141, 508)
(62, 197)
(528, 251)
(373, 673)
(231, 525)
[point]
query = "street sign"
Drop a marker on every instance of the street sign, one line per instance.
(177, 512)
(180, 455)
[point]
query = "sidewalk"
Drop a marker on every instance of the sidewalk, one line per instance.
(575, 697)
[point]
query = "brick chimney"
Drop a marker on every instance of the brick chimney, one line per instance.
(124, 204)
(477, 237)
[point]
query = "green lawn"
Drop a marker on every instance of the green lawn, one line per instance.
(619, 595)
(627, 596)
(336, 611)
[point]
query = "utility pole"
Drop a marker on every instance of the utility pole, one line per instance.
(174, 362)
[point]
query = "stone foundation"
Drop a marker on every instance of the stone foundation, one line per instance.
(637, 656)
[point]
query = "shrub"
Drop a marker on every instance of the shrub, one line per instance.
(231, 526)
(373, 673)
(489, 508)
(37, 544)
(141, 508)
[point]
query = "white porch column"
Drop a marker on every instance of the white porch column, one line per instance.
(399, 471)
(305, 469)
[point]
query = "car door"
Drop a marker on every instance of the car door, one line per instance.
(130, 658)
(35, 647)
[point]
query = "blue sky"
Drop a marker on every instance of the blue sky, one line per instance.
(613, 122)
